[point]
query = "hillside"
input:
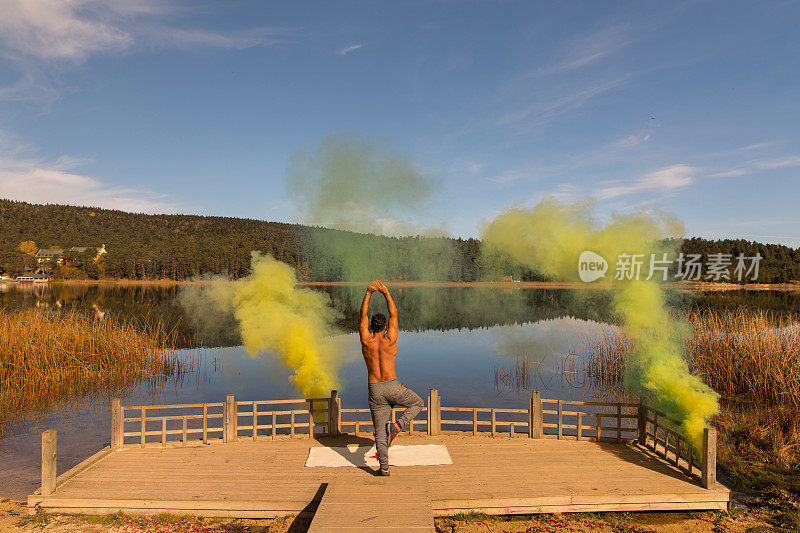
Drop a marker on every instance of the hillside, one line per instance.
(144, 246)
(177, 247)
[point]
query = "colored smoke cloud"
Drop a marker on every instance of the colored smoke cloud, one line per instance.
(273, 316)
(551, 236)
(360, 186)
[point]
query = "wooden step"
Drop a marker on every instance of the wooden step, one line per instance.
(374, 504)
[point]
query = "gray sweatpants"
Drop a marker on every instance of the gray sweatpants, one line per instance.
(383, 396)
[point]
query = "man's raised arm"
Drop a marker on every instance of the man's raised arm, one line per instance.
(363, 327)
(393, 323)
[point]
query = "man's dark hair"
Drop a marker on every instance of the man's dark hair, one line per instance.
(377, 322)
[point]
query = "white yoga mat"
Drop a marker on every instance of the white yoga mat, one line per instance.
(399, 455)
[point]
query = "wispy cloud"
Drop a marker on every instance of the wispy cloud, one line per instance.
(186, 38)
(581, 50)
(538, 112)
(64, 30)
(752, 167)
(757, 146)
(631, 141)
(665, 180)
(347, 49)
(36, 180)
(40, 36)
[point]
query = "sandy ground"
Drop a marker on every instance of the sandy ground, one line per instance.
(13, 519)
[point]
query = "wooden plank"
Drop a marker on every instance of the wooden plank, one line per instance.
(117, 428)
(171, 406)
(709, 470)
(360, 506)
(205, 423)
(537, 428)
(49, 459)
(83, 465)
(334, 415)
(599, 429)
(560, 430)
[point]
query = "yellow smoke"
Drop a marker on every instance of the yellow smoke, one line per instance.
(551, 236)
(275, 316)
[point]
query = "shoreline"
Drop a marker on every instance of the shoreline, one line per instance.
(684, 286)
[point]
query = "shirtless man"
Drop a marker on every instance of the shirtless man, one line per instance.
(379, 347)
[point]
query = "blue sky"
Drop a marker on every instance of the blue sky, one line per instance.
(196, 107)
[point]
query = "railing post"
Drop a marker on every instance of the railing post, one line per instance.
(117, 424)
(429, 412)
(225, 424)
(143, 426)
(434, 413)
(535, 416)
(642, 415)
(333, 414)
(229, 420)
(709, 478)
(438, 413)
(48, 462)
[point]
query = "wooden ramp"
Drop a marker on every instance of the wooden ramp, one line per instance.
(378, 504)
(268, 478)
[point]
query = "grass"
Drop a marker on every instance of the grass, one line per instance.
(57, 359)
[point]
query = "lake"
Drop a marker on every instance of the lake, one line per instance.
(466, 342)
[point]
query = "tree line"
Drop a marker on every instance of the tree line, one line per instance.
(178, 247)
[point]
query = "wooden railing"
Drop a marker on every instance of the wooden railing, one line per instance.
(150, 416)
(303, 421)
(616, 422)
(360, 423)
(590, 420)
(659, 433)
(263, 418)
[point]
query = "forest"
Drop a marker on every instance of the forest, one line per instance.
(179, 247)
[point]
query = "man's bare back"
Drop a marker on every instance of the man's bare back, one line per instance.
(379, 345)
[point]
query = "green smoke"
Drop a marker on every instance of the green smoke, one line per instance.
(361, 189)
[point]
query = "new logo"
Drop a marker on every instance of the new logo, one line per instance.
(591, 266)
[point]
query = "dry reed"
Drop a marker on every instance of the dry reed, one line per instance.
(751, 357)
(749, 354)
(48, 359)
(746, 354)
(517, 377)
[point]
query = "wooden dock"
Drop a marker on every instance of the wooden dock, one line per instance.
(532, 468)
